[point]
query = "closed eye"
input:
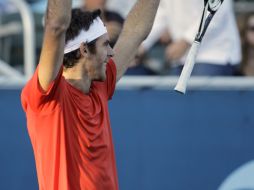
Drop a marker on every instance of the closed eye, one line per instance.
(106, 43)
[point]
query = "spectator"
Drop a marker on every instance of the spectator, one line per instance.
(113, 20)
(220, 51)
(246, 26)
(7, 7)
(121, 6)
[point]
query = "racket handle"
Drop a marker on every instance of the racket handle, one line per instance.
(187, 68)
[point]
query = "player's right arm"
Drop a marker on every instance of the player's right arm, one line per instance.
(57, 20)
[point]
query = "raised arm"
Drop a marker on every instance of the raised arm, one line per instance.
(136, 28)
(57, 20)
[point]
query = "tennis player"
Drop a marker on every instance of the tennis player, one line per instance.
(66, 101)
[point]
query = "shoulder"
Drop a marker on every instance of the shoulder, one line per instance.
(33, 95)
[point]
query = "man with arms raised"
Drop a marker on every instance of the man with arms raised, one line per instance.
(66, 101)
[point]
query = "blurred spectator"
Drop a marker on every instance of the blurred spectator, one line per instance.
(7, 7)
(10, 32)
(121, 6)
(246, 27)
(113, 20)
(220, 51)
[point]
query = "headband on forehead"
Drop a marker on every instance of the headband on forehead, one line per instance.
(96, 30)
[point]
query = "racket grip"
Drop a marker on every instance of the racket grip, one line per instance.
(187, 68)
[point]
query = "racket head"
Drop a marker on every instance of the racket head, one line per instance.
(214, 5)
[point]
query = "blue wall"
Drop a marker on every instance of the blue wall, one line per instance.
(163, 140)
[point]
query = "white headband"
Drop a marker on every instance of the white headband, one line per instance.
(96, 30)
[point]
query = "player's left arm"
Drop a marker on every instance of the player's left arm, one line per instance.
(137, 26)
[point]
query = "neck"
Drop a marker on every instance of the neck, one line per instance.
(78, 77)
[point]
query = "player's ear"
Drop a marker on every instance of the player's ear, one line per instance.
(83, 50)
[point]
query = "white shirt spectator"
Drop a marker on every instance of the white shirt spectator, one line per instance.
(221, 43)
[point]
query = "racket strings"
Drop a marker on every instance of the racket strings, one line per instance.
(207, 16)
(202, 25)
(214, 5)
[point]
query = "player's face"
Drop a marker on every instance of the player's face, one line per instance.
(250, 32)
(100, 59)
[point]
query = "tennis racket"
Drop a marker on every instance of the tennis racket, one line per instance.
(210, 8)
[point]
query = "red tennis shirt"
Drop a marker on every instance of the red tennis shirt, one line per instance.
(70, 133)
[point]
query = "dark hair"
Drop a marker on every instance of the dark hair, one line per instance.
(242, 21)
(80, 20)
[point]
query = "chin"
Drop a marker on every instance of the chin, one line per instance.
(103, 78)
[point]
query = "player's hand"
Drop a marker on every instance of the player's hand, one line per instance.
(176, 50)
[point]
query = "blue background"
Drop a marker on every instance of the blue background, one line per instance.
(163, 140)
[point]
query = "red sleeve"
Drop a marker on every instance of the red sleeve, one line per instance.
(33, 94)
(111, 78)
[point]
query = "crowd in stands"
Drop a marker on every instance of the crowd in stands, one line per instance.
(219, 53)
(227, 48)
